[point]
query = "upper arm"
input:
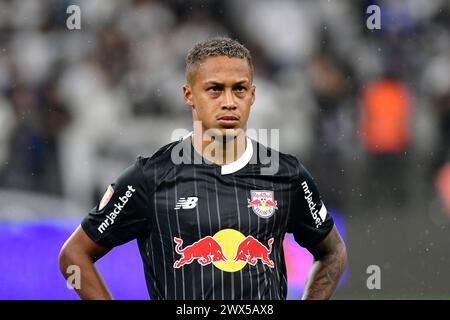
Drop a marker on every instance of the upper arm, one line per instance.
(331, 244)
(123, 213)
(309, 219)
(79, 243)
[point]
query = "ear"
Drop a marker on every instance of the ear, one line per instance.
(253, 91)
(187, 95)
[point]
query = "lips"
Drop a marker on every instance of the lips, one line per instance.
(228, 120)
(228, 123)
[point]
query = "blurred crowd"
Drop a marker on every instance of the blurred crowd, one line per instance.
(76, 106)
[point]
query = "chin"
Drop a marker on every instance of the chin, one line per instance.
(228, 133)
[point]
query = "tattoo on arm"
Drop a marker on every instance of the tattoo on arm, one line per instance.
(330, 257)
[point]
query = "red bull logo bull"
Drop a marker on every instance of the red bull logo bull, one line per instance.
(250, 250)
(205, 251)
(262, 203)
(228, 250)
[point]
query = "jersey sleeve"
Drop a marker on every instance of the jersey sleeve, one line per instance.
(121, 214)
(309, 220)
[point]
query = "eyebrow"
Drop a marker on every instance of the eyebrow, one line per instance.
(215, 83)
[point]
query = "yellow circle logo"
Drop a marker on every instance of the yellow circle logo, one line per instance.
(229, 240)
(229, 250)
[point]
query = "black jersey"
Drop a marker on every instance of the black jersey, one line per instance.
(207, 231)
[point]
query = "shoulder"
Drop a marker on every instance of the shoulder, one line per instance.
(286, 164)
(158, 164)
(162, 155)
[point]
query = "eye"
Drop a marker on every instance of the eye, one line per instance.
(240, 88)
(214, 89)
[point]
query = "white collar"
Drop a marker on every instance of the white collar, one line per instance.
(243, 160)
(237, 165)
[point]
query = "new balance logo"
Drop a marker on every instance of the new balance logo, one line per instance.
(189, 203)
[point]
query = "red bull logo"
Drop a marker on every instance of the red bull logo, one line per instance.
(229, 250)
(250, 250)
(205, 251)
(262, 203)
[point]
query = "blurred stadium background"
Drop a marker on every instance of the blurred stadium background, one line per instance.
(367, 111)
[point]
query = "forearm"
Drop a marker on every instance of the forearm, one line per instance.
(92, 286)
(324, 275)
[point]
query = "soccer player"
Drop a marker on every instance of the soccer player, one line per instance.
(211, 210)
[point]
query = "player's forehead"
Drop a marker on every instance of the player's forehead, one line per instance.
(220, 69)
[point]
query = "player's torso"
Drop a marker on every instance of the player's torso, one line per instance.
(219, 236)
(199, 207)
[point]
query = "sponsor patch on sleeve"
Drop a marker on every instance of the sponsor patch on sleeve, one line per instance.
(106, 197)
(323, 212)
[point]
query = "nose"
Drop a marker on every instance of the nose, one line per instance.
(228, 101)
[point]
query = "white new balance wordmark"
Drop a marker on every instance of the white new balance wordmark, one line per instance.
(189, 203)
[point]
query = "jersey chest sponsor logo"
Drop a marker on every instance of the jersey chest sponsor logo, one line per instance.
(228, 250)
(186, 203)
(262, 203)
(317, 215)
(118, 207)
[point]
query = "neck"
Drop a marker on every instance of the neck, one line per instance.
(219, 149)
